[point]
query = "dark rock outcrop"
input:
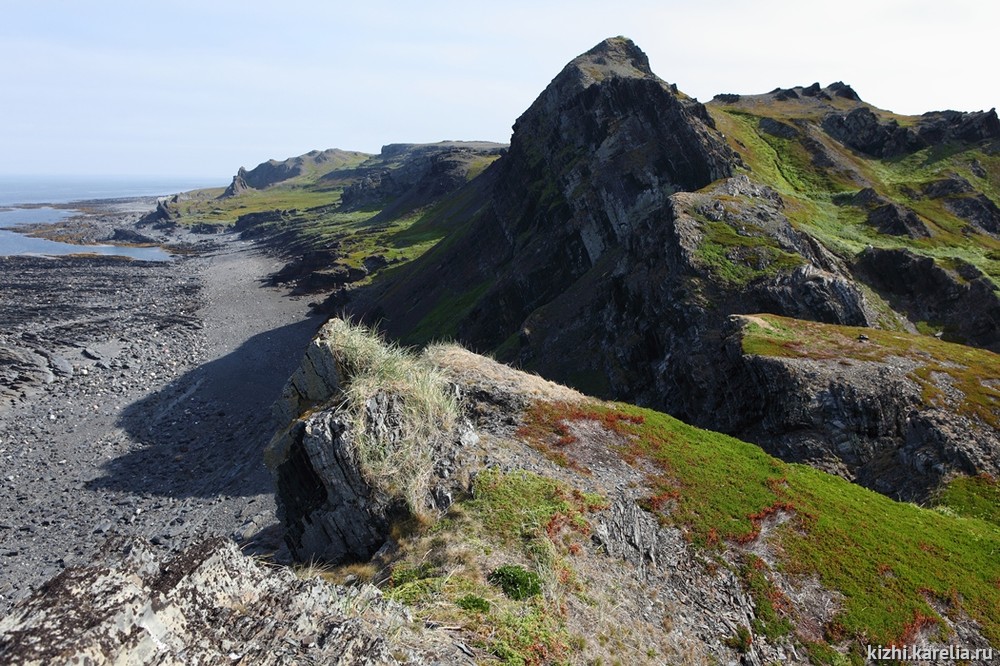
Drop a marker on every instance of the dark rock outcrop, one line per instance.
(863, 131)
(888, 217)
(778, 128)
(629, 543)
(409, 176)
(319, 270)
(947, 187)
(238, 186)
(331, 511)
(962, 300)
(960, 198)
(897, 220)
(938, 127)
(867, 421)
(163, 217)
(841, 89)
(255, 225)
(979, 210)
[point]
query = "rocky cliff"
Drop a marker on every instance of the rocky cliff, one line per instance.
(536, 478)
(899, 413)
(523, 522)
(631, 221)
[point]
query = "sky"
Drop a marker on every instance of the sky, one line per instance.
(187, 88)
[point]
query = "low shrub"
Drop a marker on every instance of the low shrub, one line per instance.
(516, 582)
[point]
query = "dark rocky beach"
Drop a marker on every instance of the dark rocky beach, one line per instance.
(135, 396)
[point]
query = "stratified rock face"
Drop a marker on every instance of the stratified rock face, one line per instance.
(963, 302)
(868, 421)
(209, 604)
(238, 186)
(330, 512)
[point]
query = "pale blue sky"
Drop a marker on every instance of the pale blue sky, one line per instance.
(199, 88)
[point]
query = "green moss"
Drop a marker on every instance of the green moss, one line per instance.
(970, 371)
(885, 558)
(740, 258)
(973, 497)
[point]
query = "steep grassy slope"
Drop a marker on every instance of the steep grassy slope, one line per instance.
(783, 140)
(356, 209)
(532, 561)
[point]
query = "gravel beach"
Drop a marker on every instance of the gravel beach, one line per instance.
(135, 399)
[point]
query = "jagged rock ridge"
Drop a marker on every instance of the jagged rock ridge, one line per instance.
(622, 222)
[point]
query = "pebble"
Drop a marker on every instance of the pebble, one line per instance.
(120, 450)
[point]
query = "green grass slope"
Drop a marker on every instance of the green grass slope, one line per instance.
(512, 564)
(306, 211)
(816, 174)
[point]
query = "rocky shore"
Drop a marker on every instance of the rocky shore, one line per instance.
(134, 397)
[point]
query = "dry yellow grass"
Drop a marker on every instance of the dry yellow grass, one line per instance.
(473, 370)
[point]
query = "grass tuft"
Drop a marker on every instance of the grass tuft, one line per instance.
(398, 408)
(516, 582)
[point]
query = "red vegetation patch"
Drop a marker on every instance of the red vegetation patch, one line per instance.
(757, 519)
(657, 503)
(546, 428)
(912, 629)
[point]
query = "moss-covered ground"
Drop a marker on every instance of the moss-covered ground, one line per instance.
(814, 188)
(891, 562)
(970, 371)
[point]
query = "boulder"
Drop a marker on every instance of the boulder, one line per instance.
(897, 220)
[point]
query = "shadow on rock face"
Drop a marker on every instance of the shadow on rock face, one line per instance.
(203, 434)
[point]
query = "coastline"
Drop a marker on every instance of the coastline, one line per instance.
(149, 407)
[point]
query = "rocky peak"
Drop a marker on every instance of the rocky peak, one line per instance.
(607, 106)
(614, 57)
(591, 165)
(238, 186)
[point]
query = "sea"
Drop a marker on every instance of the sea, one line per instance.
(20, 197)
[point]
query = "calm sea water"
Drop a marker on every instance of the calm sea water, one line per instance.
(64, 189)
(24, 190)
